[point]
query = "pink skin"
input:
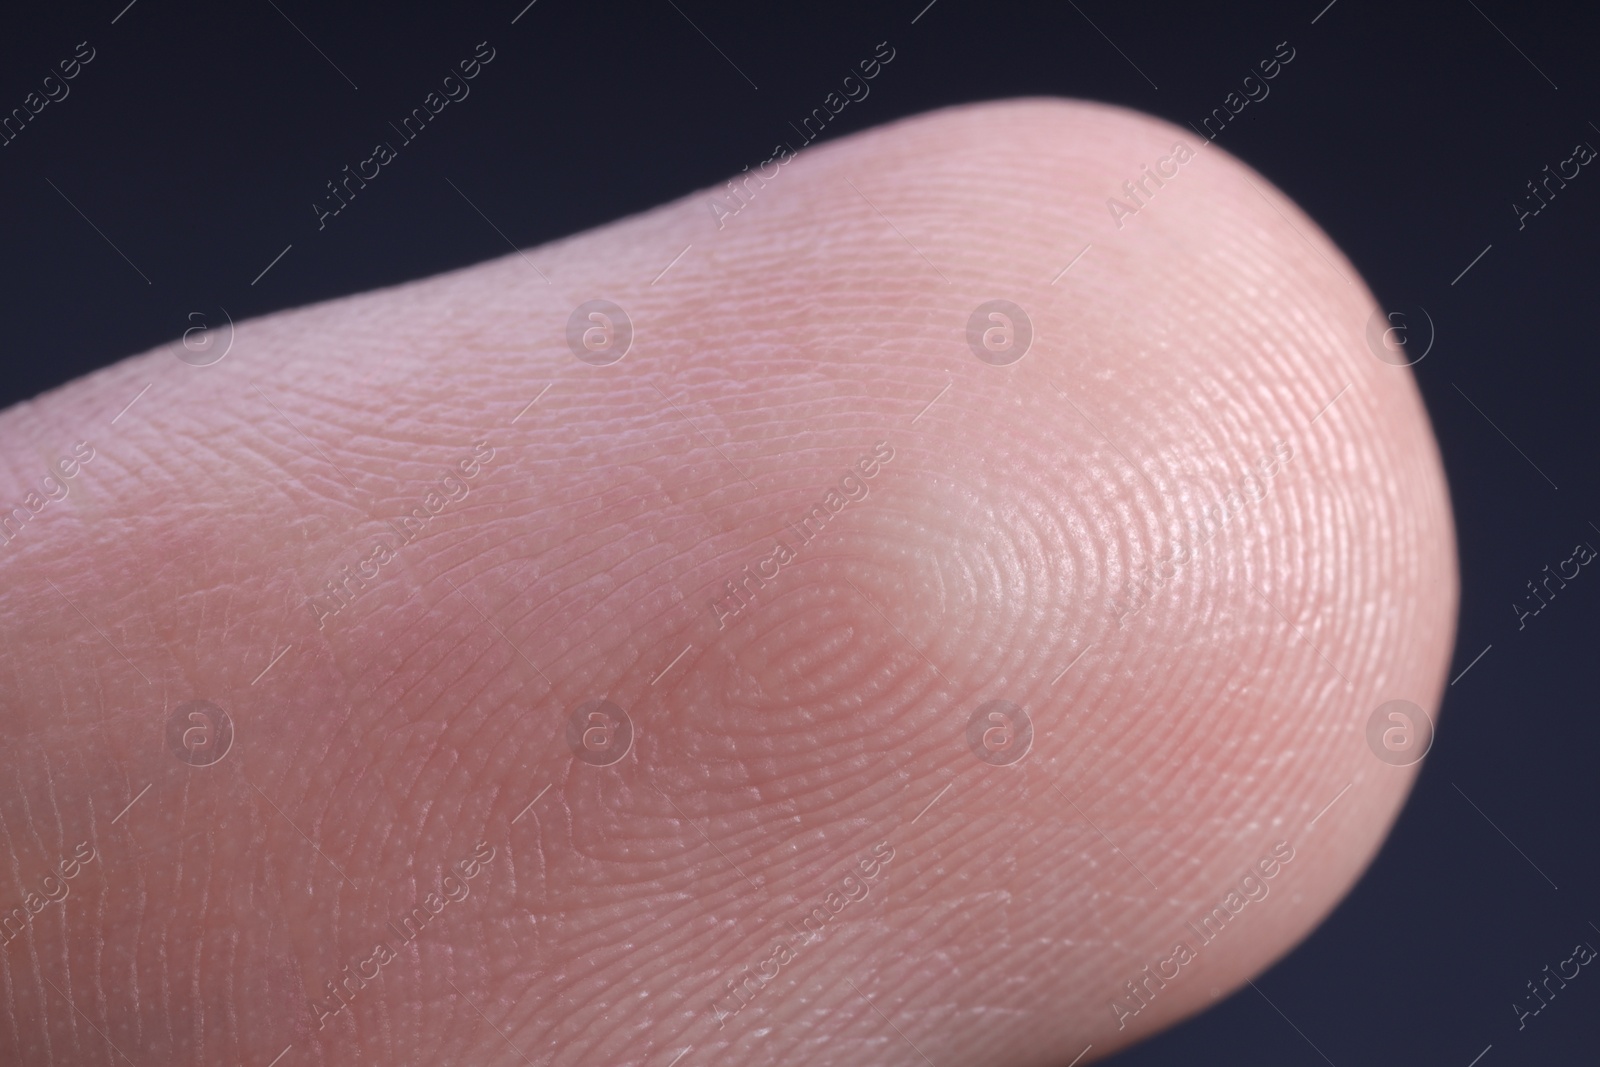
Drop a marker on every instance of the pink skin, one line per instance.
(773, 748)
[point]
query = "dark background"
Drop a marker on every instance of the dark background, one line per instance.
(200, 134)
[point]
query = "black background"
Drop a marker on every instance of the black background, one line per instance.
(200, 135)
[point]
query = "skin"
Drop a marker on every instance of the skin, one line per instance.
(1171, 751)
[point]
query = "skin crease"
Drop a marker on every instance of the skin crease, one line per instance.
(1171, 752)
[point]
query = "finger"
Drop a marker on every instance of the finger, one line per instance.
(796, 659)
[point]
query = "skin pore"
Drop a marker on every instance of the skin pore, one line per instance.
(453, 703)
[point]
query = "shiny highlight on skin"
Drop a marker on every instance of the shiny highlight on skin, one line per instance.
(1173, 747)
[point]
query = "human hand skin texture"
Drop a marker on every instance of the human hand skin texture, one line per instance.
(1182, 732)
